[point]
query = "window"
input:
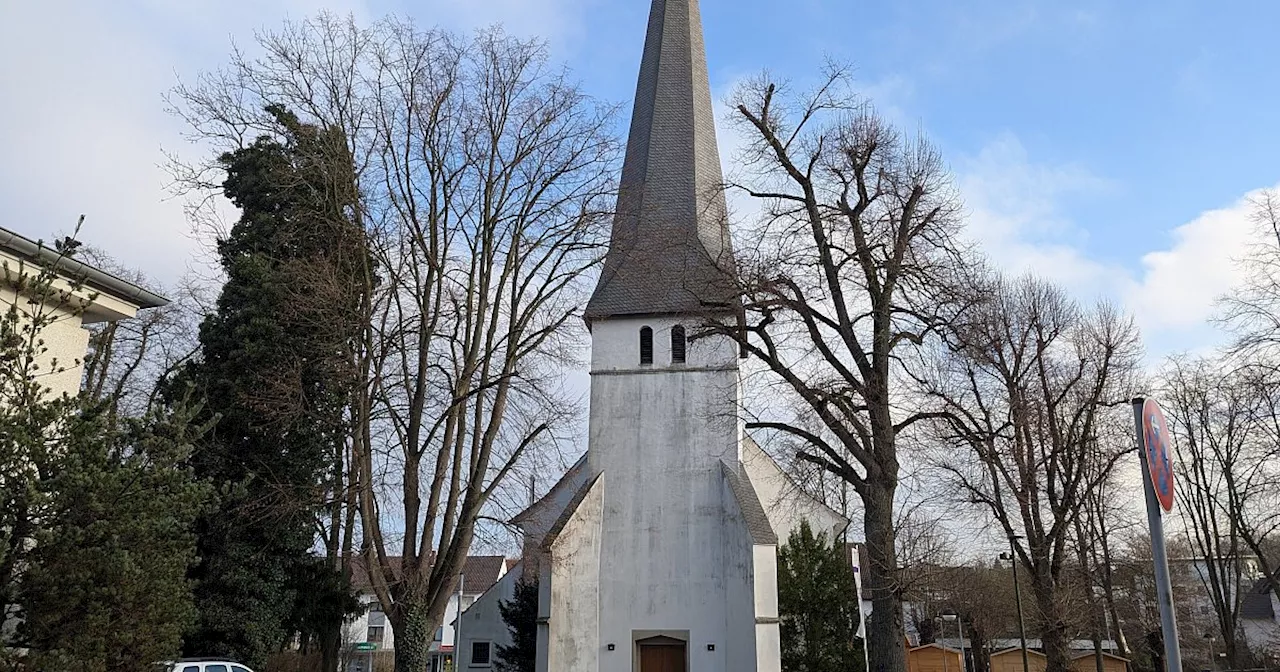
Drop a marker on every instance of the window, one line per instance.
(376, 617)
(480, 654)
(237, 668)
(646, 345)
(375, 634)
(191, 668)
(440, 634)
(215, 668)
(677, 344)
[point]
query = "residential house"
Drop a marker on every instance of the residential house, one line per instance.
(369, 635)
(1259, 618)
(1260, 621)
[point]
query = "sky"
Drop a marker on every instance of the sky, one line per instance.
(1109, 146)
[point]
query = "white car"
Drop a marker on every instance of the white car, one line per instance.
(204, 665)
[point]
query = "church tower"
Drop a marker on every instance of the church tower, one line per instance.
(657, 551)
(665, 562)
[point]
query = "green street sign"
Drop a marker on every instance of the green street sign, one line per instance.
(367, 646)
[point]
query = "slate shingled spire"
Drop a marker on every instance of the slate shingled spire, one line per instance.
(670, 253)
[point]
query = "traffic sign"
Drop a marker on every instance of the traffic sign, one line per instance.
(1156, 438)
(366, 646)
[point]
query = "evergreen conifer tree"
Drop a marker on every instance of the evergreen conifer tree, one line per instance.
(520, 613)
(274, 371)
(95, 514)
(818, 606)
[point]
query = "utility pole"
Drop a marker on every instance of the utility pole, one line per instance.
(457, 627)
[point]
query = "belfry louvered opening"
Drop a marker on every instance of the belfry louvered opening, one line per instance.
(677, 345)
(646, 345)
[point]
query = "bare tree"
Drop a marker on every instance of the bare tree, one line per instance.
(1252, 311)
(1258, 519)
(1107, 516)
(842, 275)
(1221, 469)
(1025, 390)
(128, 359)
(484, 176)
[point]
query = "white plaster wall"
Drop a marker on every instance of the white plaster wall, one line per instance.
(768, 637)
(482, 621)
(543, 662)
(65, 338)
(769, 647)
(785, 504)
(658, 432)
(740, 589)
(766, 580)
(572, 594)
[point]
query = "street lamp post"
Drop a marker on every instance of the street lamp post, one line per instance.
(1012, 557)
(952, 616)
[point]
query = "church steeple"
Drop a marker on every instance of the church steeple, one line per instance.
(670, 253)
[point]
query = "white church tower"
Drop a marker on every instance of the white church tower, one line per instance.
(658, 551)
(683, 560)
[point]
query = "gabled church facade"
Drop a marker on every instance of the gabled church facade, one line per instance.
(657, 552)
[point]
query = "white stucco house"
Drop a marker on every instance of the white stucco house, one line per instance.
(85, 295)
(369, 635)
(658, 550)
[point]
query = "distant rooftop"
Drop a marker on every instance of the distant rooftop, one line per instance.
(479, 573)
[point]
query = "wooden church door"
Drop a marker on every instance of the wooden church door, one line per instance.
(663, 654)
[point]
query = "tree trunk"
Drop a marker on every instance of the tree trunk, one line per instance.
(886, 635)
(414, 629)
(1108, 589)
(1053, 627)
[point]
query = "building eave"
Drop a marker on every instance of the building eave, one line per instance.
(78, 271)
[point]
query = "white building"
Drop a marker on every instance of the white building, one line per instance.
(658, 551)
(83, 295)
(369, 635)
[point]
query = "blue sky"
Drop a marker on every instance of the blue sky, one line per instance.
(1107, 145)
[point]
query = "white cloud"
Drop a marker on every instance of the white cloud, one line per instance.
(1179, 285)
(83, 125)
(1017, 215)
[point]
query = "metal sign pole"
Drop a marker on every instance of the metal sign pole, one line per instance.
(1164, 590)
